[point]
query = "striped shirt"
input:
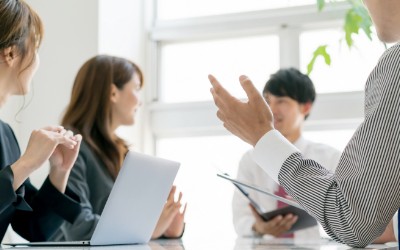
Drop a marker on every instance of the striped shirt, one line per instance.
(354, 204)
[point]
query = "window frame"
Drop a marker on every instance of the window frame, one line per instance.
(164, 120)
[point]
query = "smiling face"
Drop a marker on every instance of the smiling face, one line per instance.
(125, 102)
(289, 115)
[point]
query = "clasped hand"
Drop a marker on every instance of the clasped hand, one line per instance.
(52, 143)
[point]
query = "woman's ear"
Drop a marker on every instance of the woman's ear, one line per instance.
(8, 56)
(114, 95)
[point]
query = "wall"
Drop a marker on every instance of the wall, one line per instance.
(74, 31)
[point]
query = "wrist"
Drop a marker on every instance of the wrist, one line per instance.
(59, 178)
(260, 134)
(255, 231)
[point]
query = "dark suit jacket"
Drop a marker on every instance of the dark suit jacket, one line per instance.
(34, 214)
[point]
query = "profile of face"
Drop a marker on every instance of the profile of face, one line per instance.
(125, 102)
(289, 114)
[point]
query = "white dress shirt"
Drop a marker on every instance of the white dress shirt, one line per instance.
(251, 173)
(356, 203)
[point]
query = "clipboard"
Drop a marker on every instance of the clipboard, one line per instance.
(304, 219)
(258, 189)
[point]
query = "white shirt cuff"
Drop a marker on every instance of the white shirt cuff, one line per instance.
(395, 228)
(271, 151)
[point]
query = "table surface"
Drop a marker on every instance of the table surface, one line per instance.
(220, 244)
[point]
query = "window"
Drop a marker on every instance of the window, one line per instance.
(182, 124)
(208, 197)
(185, 66)
(349, 69)
(176, 9)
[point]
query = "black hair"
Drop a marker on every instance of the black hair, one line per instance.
(292, 83)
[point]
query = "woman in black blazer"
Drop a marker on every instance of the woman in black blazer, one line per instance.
(34, 214)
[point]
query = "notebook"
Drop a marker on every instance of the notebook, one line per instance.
(134, 205)
(304, 219)
(239, 183)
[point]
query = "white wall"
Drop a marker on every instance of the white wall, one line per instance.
(121, 33)
(75, 30)
(71, 36)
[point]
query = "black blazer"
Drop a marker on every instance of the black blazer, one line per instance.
(34, 214)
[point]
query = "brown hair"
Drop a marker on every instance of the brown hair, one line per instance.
(89, 111)
(20, 27)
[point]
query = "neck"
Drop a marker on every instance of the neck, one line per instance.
(114, 127)
(5, 90)
(4, 95)
(293, 137)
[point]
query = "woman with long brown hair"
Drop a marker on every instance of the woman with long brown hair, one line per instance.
(105, 96)
(34, 214)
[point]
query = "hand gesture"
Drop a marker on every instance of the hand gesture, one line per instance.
(63, 157)
(41, 146)
(62, 160)
(276, 226)
(170, 222)
(248, 120)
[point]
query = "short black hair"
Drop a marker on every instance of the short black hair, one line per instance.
(292, 83)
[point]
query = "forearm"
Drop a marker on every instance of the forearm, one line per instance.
(387, 236)
(59, 178)
(344, 207)
(21, 170)
(50, 209)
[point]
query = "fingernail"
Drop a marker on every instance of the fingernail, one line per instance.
(243, 77)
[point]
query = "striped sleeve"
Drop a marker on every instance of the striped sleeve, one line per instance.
(355, 203)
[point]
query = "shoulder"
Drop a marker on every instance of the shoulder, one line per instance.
(6, 130)
(88, 159)
(86, 156)
(392, 53)
(388, 63)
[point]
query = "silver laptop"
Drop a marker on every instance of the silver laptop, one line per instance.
(134, 205)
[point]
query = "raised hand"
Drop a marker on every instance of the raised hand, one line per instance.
(170, 218)
(248, 120)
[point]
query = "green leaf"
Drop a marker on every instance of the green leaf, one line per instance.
(357, 18)
(320, 4)
(320, 51)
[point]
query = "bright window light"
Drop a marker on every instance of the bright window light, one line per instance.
(208, 197)
(349, 69)
(185, 66)
(177, 9)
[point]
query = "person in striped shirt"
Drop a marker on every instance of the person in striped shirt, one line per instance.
(355, 203)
